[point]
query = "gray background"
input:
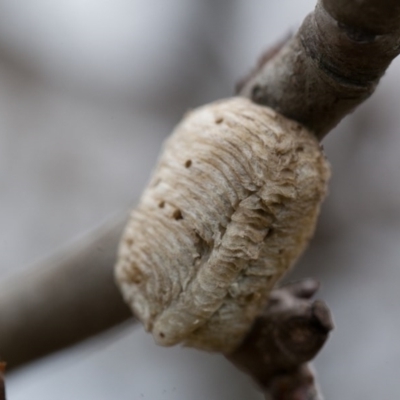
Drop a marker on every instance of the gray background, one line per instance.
(89, 90)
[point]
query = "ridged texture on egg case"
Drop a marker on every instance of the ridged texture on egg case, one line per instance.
(231, 205)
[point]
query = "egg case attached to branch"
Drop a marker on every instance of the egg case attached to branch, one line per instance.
(231, 206)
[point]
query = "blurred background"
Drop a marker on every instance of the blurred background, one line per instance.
(88, 92)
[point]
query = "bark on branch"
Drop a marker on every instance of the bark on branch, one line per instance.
(331, 65)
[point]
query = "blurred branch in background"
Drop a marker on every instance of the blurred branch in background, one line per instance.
(64, 300)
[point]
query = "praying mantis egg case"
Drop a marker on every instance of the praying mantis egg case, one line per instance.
(231, 205)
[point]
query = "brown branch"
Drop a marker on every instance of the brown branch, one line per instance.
(2, 384)
(283, 340)
(331, 65)
(63, 300)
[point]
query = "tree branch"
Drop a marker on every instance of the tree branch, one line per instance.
(377, 17)
(320, 75)
(2, 384)
(331, 65)
(289, 333)
(63, 300)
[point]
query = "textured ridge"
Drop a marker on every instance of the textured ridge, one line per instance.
(232, 204)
